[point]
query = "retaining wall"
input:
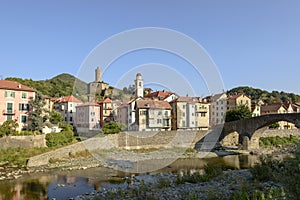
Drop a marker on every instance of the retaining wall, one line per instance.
(30, 141)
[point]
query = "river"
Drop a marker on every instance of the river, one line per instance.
(58, 184)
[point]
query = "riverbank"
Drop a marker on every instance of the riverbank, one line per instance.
(166, 186)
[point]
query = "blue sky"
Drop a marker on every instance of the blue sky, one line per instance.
(254, 43)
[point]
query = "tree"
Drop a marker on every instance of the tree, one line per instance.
(56, 117)
(274, 126)
(112, 128)
(8, 128)
(241, 112)
(36, 120)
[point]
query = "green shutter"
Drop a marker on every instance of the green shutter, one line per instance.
(5, 94)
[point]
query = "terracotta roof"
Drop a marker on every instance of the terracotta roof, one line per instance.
(13, 85)
(159, 94)
(237, 96)
(88, 104)
(106, 100)
(272, 107)
(69, 99)
(153, 104)
(188, 99)
(214, 97)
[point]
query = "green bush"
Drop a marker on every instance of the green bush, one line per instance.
(286, 173)
(59, 139)
(112, 128)
(209, 173)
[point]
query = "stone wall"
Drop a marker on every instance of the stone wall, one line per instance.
(23, 141)
(130, 140)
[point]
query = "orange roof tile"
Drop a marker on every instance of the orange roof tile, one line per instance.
(188, 99)
(69, 99)
(13, 85)
(106, 100)
(154, 104)
(162, 94)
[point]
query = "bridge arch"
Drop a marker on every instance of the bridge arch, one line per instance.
(252, 127)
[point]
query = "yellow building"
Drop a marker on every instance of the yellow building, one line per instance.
(236, 100)
(190, 113)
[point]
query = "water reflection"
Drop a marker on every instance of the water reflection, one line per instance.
(65, 185)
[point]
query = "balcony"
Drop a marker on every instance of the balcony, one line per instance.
(9, 112)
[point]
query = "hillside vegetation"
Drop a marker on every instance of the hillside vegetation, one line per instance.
(267, 97)
(61, 85)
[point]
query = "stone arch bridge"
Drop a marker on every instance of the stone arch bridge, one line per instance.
(248, 128)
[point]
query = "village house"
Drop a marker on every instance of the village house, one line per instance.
(152, 115)
(106, 108)
(67, 107)
(237, 100)
(88, 118)
(162, 95)
(14, 102)
(217, 108)
(189, 113)
(279, 108)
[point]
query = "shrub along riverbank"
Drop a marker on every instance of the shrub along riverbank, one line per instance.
(18, 157)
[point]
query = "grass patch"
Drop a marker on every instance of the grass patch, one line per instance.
(278, 141)
(19, 156)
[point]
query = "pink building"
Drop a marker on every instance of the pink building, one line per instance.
(14, 102)
(88, 117)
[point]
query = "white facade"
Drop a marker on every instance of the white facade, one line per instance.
(218, 108)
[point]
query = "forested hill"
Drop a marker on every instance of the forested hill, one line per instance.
(267, 97)
(61, 85)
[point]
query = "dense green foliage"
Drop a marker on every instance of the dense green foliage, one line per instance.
(61, 85)
(8, 128)
(278, 141)
(275, 125)
(56, 117)
(267, 97)
(35, 117)
(112, 128)
(62, 138)
(285, 173)
(241, 112)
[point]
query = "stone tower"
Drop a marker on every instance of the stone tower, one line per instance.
(98, 75)
(139, 85)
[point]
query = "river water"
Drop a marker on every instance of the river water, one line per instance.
(58, 184)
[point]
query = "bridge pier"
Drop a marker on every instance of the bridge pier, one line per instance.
(250, 144)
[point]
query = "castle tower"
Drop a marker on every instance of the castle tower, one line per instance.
(98, 75)
(139, 85)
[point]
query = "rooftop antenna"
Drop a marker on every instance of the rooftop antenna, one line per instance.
(1, 77)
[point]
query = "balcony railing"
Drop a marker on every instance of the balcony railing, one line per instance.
(9, 112)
